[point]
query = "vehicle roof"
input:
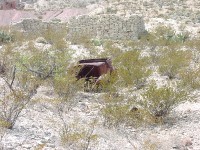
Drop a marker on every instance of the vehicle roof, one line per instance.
(93, 60)
(92, 64)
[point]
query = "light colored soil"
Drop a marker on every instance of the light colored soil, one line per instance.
(7, 17)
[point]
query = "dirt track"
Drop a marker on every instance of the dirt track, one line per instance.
(8, 17)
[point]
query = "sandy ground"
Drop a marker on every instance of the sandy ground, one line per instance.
(40, 124)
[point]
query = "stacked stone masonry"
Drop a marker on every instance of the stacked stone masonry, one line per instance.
(35, 25)
(107, 27)
(97, 26)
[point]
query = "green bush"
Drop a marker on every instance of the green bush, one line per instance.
(163, 36)
(55, 37)
(76, 137)
(17, 90)
(132, 69)
(115, 113)
(190, 79)
(5, 37)
(97, 42)
(172, 62)
(119, 111)
(110, 50)
(182, 37)
(159, 101)
(44, 64)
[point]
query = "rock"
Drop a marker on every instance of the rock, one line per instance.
(187, 142)
(41, 40)
(27, 146)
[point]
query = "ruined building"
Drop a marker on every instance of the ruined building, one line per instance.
(14, 4)
(8, 4)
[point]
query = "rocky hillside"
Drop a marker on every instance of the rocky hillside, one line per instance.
(151, 101)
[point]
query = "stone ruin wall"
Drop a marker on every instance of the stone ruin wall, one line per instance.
(107, 27)
(36, 25)
(102, 26)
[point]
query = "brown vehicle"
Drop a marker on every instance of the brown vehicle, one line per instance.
(92, 70)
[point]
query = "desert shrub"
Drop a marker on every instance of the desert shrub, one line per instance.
(52, 67)
(19, 37)
(119, 115)
(190, 79)
(181, 37)
(97, 42)
(84, 40)
(193, 43)
(5, 37)
(149, 145)
(163, 36)
(132, 69)
(109, 81)
(25, 72)
(172, 62)
(66, 85)
(160, 36)
(114, 112)
(119, 111)
(55, 37)
(45, 64)
(110, 49)
(18, 89)
(115, 115)
(76, 137)
(159, 101)
(12, 105)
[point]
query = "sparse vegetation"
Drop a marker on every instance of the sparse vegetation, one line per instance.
(56, 38)
(191, 79)
(172, 62)
(76, 137)
(129, 98)
(16, 92)
(5, 37)
(159, 101)
(132, 69)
